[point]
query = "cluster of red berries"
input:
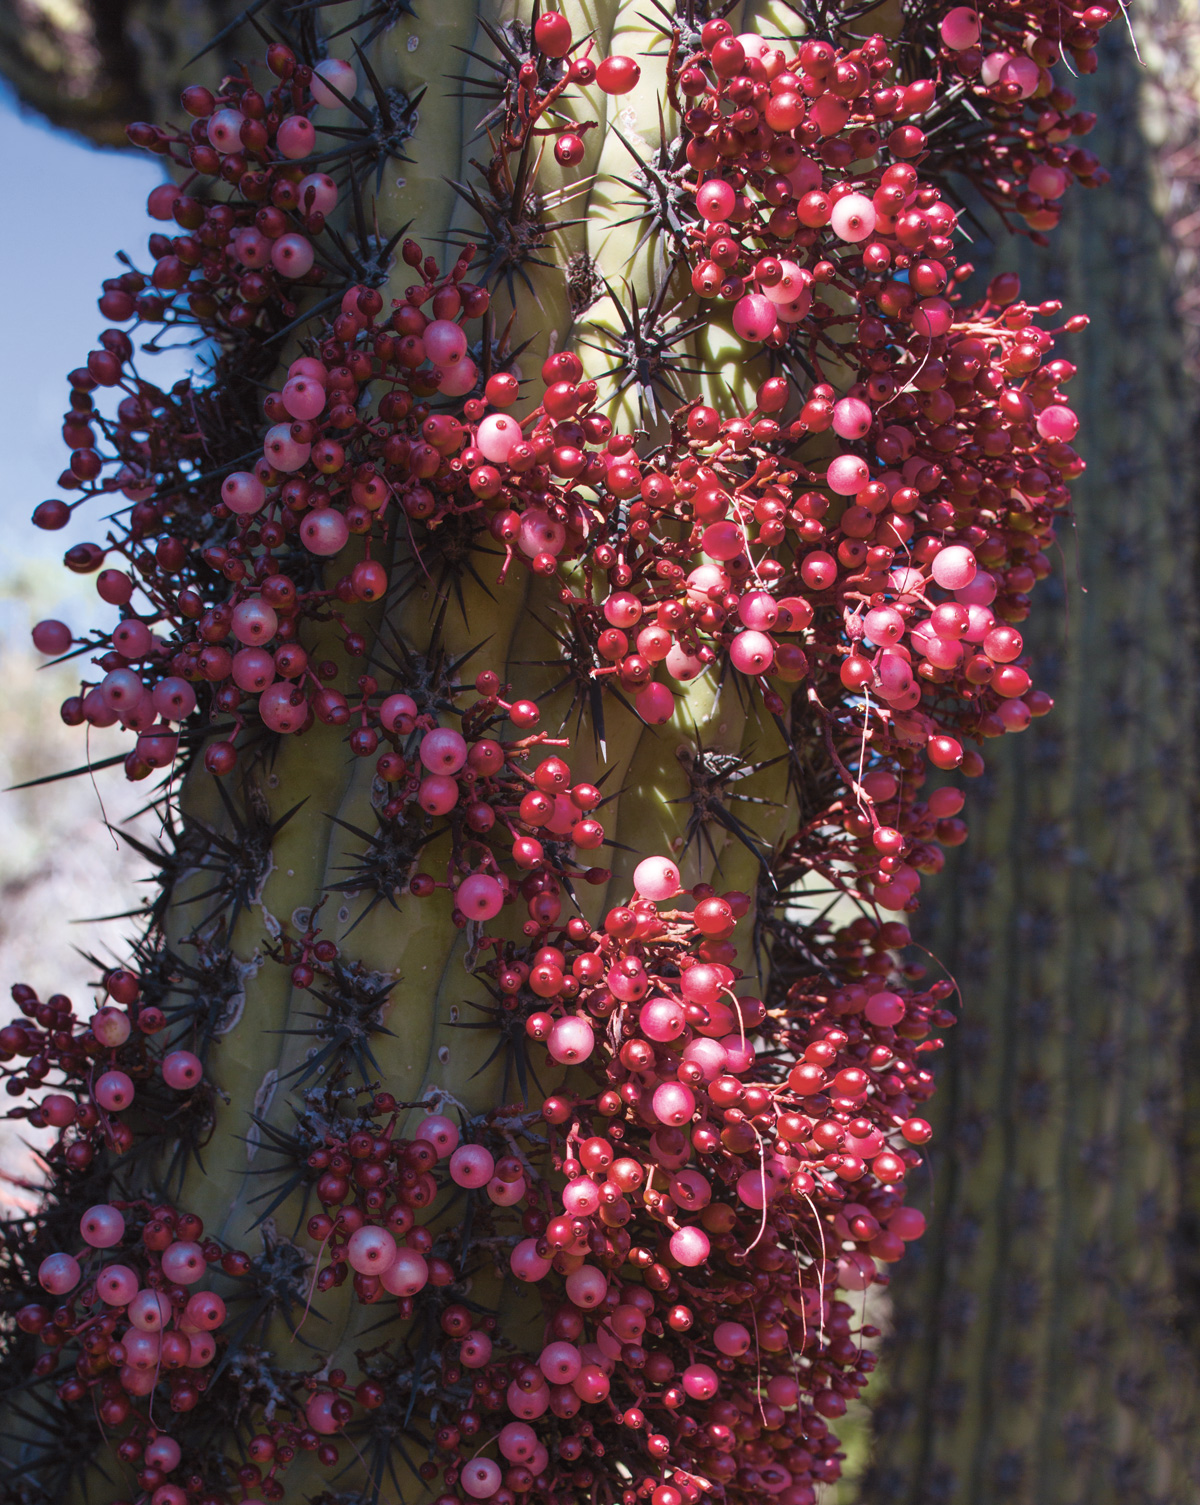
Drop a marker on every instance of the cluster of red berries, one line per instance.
(961, 413)
(744, 1165)
(855, 548)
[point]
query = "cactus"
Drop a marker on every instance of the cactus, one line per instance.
(593, 450)
(1045, 1351)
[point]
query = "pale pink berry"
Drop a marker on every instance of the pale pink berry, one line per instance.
(571, 1040)
(102, 1226)
(341, 75)
(371, 1250)
(441, 1132)
(690, 1246)
(182, 1069)
(183, 1262)
(656, 878)
(472, 1166)
(59, 1273)
(407, 1274)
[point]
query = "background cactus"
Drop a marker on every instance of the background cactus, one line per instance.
(300, 999)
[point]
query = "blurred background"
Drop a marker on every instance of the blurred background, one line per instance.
(59, 862)
(1045, 1334)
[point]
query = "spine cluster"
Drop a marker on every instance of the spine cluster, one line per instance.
(712, 1093)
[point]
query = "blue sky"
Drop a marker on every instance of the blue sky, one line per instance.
(76, 207)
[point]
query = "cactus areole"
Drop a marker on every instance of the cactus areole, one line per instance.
(556, 617)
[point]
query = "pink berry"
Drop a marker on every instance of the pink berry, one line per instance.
(282, 451)
(242, 492)
(445, 342)
(552, 34)
(847, 475)
(324, 531)
(853, 217)
(1058, 423)
(954, 567)
(517, 1442)
(758, 610)
(476, 1351)
(724, 540)
(752, 652)
(182, 1069)
(560, 1362)
(407, 1274)
(225, 130)
(163, 1454)
(148, 1310)
(617, 75)
(443, 751)
(111, 1026)
(52, 637)
(102, 1226)
(437, 795)
(622, 609)
(295, 138)
(58, 1274)
(183, 1262)
(480, 1478)
(318, 1412)
(851, 418)
(932, 318)
(441, 1132)
(754, 317)
(673, 1103)
(587, 1286)
(479, 896)
(656, 878)
(960, 28)
(716, 199)
(472, 1165)
(700, 1381)
(371, 1250)
(731, 1338)
(283, 707)
(526, 1263)
(113, 1091)
(497, 437)
(885, 1008)
(662, 1019)
(571, 1040)
(117, 1285)
(317, 193)
(690, 1246)
(332, 70)
(205, 1310)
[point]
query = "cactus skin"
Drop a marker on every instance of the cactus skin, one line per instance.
(1043, 1344)
(263, 852)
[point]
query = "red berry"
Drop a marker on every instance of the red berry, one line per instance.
(618, 75)
(552, 34)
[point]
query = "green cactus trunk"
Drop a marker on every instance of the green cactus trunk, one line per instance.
(1042, 1350)
(415, 1043)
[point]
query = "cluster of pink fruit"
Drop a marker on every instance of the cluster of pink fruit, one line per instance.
(857, 544)
(699, 1145)
(130, 1322)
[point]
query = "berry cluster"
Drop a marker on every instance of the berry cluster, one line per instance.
(744, 1164)
(848, 540)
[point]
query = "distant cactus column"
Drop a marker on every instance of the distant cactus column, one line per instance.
(1039, 1351)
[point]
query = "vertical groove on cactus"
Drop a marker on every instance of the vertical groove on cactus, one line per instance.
(570, 677)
